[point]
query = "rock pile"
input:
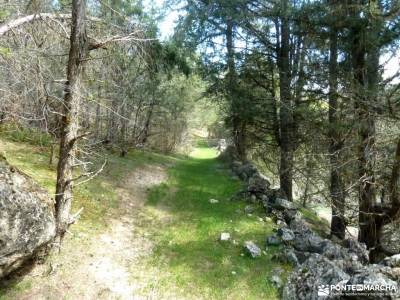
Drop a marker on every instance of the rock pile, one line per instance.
(319, 263)
(27, 221)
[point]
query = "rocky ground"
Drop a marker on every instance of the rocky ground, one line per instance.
(319, 261)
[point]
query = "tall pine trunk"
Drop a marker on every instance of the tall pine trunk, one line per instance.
(238, 125)
(338, 226)
(366, 135)
(285, 109)
(70, 122)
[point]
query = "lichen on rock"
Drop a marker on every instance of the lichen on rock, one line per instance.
(27, 222)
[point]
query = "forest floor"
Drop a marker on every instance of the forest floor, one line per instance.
(148, 231)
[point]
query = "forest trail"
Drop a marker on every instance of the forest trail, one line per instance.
(105, 261)
(122, 245)
(149, 231)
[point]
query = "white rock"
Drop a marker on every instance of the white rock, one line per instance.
(213, 201)
(225, 236)
(252, 249)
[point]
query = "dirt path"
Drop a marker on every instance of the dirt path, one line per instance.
(124, 244)
(106, 266)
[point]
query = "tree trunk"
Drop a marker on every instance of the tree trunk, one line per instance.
(366, 134)
(285, 109)
(144, 135)
(238, 125)
(97, 125)
(70, 123)
(338, 225)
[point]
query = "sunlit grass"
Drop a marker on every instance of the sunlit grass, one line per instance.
(188, 253)
(190, 261)
(204, 153)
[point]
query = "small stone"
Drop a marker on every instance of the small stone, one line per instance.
(291, 257)
(278, 270)
(286, 234)
(249, 209)
(213, 201)
(260, 219)
(283, 204)
(233, 273)
(392, 261)
(249, 215)
(268, 219)
(252, 249)
(253, 198)
(276, 280)
(273, 240)
(225, 236)
(281, 223)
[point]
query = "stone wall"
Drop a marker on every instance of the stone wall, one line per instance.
(317, 261)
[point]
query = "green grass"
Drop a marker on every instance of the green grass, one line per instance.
(18, 133)
(98, 197)
(192, 259)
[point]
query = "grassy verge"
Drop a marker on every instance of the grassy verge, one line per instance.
(98, 197)
(190, 261)
(188, 254)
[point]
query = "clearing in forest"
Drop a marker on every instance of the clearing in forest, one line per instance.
(149, 231)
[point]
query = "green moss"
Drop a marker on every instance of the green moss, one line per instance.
(14, 289)
(319, 225)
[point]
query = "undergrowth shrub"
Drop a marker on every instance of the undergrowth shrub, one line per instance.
(18, 133)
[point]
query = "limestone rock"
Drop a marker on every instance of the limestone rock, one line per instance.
(390, 238)
(252, 249)
(392, 261)
(273, 240)
(258, 183)
(225, 236)
(286, 234)
(317, 270)
(283, 204)
(27, 221)
(249, 209)
(308, 242)
(277, 281)
(246, 171)
(291, 257)
(374, 275)
(358, 249)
